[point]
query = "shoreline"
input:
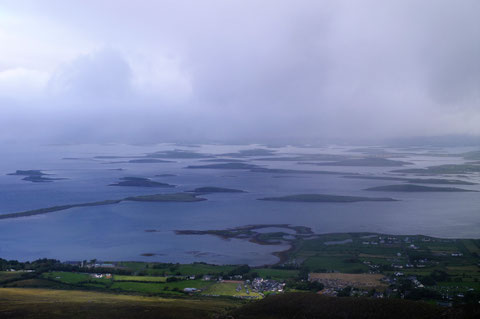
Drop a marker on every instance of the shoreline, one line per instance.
(282, 255)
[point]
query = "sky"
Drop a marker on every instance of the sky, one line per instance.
(261, 70)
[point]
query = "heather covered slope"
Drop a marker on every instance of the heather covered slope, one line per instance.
(48, 303)
(52, 304)
(310, 305)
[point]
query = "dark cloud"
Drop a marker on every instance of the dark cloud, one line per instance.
(260, 70)
(94, 78)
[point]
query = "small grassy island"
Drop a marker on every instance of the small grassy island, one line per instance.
(175, 197)
(293, 171)
(225, 166)
(443, 169)
(35, 176)
(324, 198)
(304, 158)
(223, 160)
(212, 189)
(140, 182)
(366, 162)
(416, 188)
(31, 172)
(178, 154)
(413, 180)
(252, 152)
(148, 161)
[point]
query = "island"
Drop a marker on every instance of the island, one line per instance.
(35, 176)
(111, 157)
(251, 152)
(413, 180)
(212, 189)
(366, 162)
(178, 154)
(41, 179)
(229, 165)
(416, 188)
(140, 182)
(326, 198)
(148, 161)
(52, 209)
(443, 169)
(473, 155)
(175, 197)
(223, 160)
(304, 157)
(31, 172)
(294, 171)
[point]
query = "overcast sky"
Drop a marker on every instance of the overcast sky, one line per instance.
(133, 71)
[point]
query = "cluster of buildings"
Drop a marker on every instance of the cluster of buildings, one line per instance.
(262, 285)
(100, 276)
(257, 285)
(392, 240)
(90, 264)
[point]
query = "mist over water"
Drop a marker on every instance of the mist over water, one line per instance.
(118, 232)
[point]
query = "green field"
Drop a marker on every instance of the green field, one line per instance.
(159, 288)
(330, 263)
(67, 277)
(195, 269)
(278, 274)
(447, 265)
(139, 278)
(139, 284)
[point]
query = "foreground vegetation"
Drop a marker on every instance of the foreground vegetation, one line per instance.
(370, 274)
(49, 303)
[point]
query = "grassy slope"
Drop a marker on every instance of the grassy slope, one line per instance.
(46, 303)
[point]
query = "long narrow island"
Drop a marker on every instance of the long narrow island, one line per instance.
(326, 198)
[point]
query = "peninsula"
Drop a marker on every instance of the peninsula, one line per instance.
(175, 197)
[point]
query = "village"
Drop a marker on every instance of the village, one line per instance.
(443, 271)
